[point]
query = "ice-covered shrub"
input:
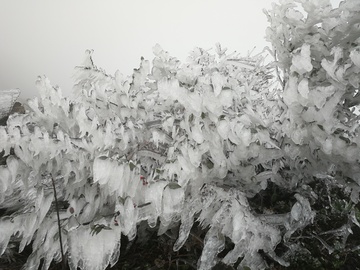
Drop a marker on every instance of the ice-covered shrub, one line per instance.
(315, 49)
(177, 142)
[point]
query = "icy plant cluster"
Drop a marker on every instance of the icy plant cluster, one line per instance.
(318, 56)
(177, 143)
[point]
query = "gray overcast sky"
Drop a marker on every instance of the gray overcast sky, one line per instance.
(49, 38)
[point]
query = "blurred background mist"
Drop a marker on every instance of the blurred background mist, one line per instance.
(49, 38)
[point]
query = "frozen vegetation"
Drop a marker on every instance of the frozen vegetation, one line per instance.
(205, 142)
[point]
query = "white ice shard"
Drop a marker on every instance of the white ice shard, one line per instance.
(214, 244)
(94, 251)
(173, 200)
(154, 196)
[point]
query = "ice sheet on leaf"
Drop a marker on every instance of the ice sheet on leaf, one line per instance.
(249, 234)
(293, 14)
(333, 68)
(223, 128)
(45, 206)
(355, 57)
(170, 89)
(128, 216)
(4, 141)
(88, 212)
(188, 74)
(47, 91)
(355, 191)
(7, 228)
(212, 103)
(50, 244)
(194, 156)
(300, 216)
(244, 134)
(253, 261)
(196, 133)
(301, 62)
(329, 108)
(172, 203)
(320, 95)
(214, 244)
(193, 101)
(226, 98)
(111, 174)
(93, 251)
(218, 80)
(303, 88)
(291, 91)
(5, 181)
(187, 221)
(27, 226)
(299, 135)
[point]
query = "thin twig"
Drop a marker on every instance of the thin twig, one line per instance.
(277, 72)
(59, 226)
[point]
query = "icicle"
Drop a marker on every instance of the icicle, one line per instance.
(154, 195)
(93, 251)
(173, 199)
(187, 221)
(214, 244)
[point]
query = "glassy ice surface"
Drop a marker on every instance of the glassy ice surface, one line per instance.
(93, 251)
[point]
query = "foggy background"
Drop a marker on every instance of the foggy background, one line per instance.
(49, 38)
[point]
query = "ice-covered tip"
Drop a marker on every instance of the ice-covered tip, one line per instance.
(88, 62)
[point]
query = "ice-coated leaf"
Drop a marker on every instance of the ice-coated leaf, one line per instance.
(154, 195)
(93, 252)
(4, 140)
(355, 57)
(128, 218)
(195, 155)
(46, 203)
(187, 221)
(218, 81)
(7, 228)
(212, 104)
(332, 67)
(172, 203)
(5, 180)
(197, 133)
(303, 88)
(296, 211)
(214, 243)
(101, 169)
(173, 185)
(226, 98)
(253, 261)
(294, 14)
(301, 62)
(223, 128)
(354, 196)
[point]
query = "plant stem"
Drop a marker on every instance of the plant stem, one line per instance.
(59, 226)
